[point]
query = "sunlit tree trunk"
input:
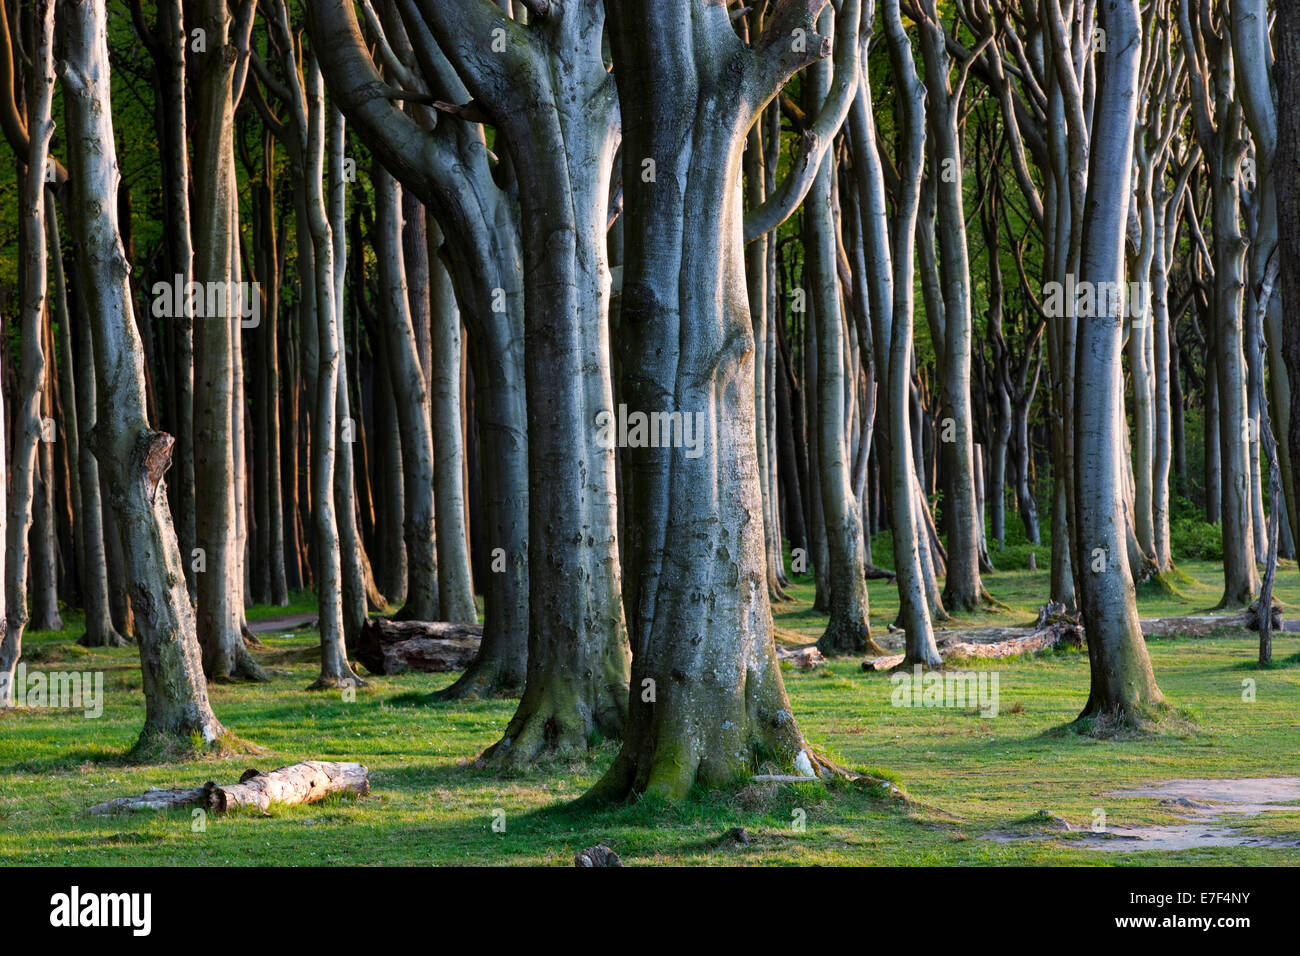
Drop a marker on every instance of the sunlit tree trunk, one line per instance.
(1123, 689)
(220, 561)
(133, 457)
(707, 695)
(27, 425)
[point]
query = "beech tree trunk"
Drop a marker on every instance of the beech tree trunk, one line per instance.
(219, 564)
(560, 129)
(892, 301)
(847, 631)
(1217, 113)
(963, 588)
(305, 782)
(1123, 689)
(1286, 166)
(132, 456)
(486, 267)
(412, 400)
(455, 580)
(707, 696)
(27, 416)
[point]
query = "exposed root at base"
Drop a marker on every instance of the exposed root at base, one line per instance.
(111, 639)
(480, 683)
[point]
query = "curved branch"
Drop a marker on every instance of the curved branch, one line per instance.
(821, 133)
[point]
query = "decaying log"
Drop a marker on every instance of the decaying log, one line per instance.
(995, 642)
(1202, 625)
(391, 647)
(804, 658)
(304, 782)
(598, 855)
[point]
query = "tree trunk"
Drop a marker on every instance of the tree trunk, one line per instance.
(847, 631)
(560, 128)
(455, 580)
(220, 560)
(1123, 689)
(1287, 172)
(44, 534)
(412, 400)
(892, 302)
(305, 782)
(486, 270)
(27, 426)
(707, 696)
(963, 589)
(132, 456)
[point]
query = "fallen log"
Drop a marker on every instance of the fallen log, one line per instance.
(304, 782)
(391, 647)
(1202, 625)
(994, 642)
(804, 658)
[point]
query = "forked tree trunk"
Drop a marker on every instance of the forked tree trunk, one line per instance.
(486, 267)
(1123, 689)
(707, 697)
(560, 125)
(132, 456)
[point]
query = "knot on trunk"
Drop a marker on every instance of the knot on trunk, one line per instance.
(153, 455)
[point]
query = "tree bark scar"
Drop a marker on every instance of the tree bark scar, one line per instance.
(155, 453)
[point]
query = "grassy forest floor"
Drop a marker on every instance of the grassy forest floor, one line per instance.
(964, 776)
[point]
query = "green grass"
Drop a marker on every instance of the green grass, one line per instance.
(964, 775)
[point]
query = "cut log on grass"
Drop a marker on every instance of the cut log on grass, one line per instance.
(391, 647)
(994, 642)
(304, 782)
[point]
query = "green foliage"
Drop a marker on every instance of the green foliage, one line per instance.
(1194, 539)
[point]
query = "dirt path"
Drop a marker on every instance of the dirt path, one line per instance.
(1201, 802)
(277, 625)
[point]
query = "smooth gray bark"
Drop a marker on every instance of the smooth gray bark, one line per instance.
(133, 457)
(1123, 689)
